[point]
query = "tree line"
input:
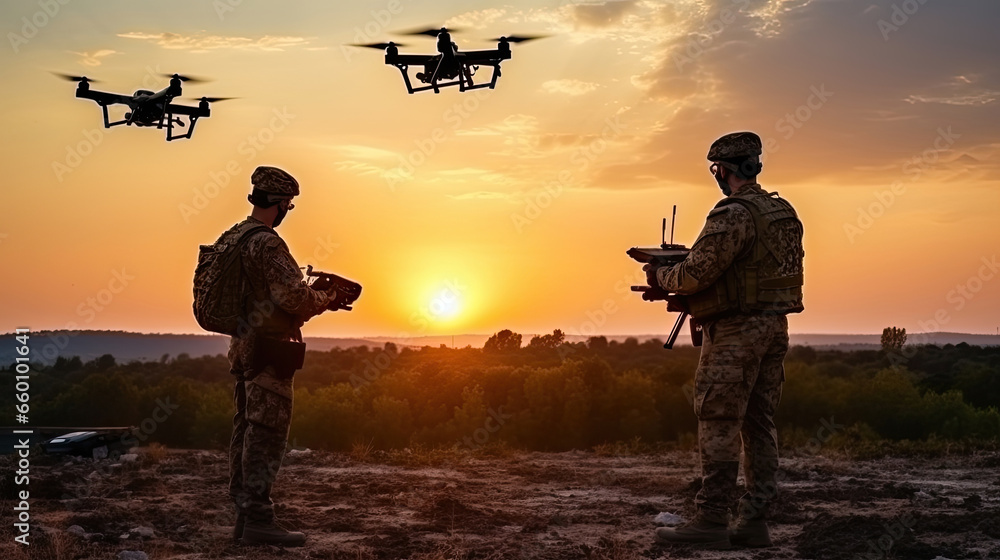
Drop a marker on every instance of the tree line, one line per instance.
(546, 395)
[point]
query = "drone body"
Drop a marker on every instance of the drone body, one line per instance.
(148, 108)
(451, 66)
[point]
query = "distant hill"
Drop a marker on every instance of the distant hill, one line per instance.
(125, 347)
(820, 341)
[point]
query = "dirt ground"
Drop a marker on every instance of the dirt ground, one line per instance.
(514, 505)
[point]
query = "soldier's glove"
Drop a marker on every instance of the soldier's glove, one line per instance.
(334, 304)
(651, 278)
(677, 304)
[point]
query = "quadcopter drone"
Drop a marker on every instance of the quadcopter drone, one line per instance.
(450, 67)
(147, 108)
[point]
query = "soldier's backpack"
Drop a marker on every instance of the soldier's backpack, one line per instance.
(219, 283)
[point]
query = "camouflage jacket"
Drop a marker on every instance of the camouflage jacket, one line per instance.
(728, 233)
(280, 301)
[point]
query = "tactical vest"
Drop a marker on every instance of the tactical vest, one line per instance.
(768, 276)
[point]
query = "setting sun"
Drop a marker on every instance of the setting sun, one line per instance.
(523, 198)
(445, 304)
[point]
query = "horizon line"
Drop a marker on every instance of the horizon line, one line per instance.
(444, 335)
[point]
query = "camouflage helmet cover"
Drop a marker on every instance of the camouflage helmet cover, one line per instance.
(274, 181)
(735, 146)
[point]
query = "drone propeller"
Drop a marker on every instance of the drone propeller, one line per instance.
(519, 38)
(70, 78)
(185, 78)
(379, 46)
(431, 32)
(211, 99)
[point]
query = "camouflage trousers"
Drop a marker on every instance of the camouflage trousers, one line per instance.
(737, 389)
(260, 435)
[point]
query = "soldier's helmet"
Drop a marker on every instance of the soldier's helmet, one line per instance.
(274, 181)
(737, 145)
(739, 152)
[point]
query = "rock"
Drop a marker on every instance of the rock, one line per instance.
(144, 532)
(299, 452)
(559, 520)
(956, 501)
(72, 504)
(129, 458)
(76, 530)
(132, 555)
(973, 501)
(667, 519)
(922, 496)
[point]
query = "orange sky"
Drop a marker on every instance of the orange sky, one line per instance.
(511, 208)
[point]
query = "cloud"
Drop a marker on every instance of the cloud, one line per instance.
(960, 90)
(364, 160)
(362, 152)
(204, 43)
(93, 58)
(569, 87)
(701, 68)
(479, 19)
(516, 124)
(761, 70)
(524, 138)
(769, 15)
(981, 98)
(482, 195)
(602, 14)
(361, 168)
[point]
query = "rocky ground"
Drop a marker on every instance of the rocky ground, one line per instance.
(512, 505)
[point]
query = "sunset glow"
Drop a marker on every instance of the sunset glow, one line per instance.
(507, 208)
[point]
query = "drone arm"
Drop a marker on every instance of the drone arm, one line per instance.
(484, 57)
(102, 97)
(188, 110)
(409, 59)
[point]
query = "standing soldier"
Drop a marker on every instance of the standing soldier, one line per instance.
(742, 276)
(264, 354)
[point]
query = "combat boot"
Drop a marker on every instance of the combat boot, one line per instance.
(751, 533)
(701, 532)
(238, 529)
(270, 533)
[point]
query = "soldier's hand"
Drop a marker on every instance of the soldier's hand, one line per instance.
(676, 304)
(334, 304)
(651, 278)
(322, 285)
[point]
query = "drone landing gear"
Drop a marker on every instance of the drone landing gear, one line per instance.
(107, 120)
(168, 120)
(464, 81)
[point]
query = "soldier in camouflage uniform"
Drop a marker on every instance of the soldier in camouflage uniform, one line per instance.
(742, 276)
(278, 303)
